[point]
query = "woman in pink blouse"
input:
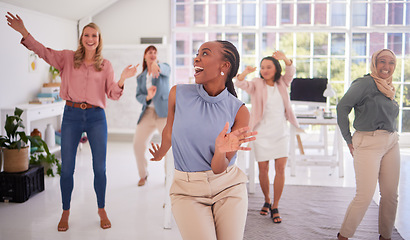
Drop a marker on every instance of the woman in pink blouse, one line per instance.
(86, 77)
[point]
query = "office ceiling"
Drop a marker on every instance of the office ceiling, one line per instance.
(69, 9)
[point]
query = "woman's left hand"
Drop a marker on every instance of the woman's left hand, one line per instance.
(229, 142)
(128, 72)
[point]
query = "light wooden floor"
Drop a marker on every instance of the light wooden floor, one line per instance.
(137, 212)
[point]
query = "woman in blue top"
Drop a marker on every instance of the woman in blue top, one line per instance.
(374, 145)
(152, 93)
(207, 124)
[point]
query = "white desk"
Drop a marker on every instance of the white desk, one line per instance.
(326, 159)
(34, 112)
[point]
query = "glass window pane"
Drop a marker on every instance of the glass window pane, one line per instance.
(338, 14)
(269, 14)
(197, 40)
(287, 13)
(358, 68)
(379, 14)
(320, 13)
(268, 43)
(212, 36)
(183, 75)
(303, 44)
(199, 14)
(286, 43)
(395, 13)
(406, 95)
(339, 89)
(338, 44)
(248, 40)
(337, 69)
(397, 71)
(182, 15)
(303, 13)
(231, 14)
(359, 14)
(250, 61)
(215, 14)
(302, 67)
(320, 43)
(359, 44)
(406, 121)
(233, 38)
(407, 71)
(407, 14)
(376, 42)
(182, 43)
(249, 15)
(407, 43)
(319, 67)
(394, 42)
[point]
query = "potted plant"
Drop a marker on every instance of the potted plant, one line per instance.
(42, 156)
(14, 144)
(54, 73)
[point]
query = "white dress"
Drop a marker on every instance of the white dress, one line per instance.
(272, 141)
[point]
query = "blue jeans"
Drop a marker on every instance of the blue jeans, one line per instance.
(75, 122)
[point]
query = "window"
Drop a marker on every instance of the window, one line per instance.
(331, 39)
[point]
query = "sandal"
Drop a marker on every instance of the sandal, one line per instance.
(277, 218)
(263, 211)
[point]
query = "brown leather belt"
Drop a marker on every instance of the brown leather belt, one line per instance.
(82, 105)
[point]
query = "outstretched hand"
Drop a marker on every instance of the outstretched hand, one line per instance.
(17, 24)
(154, 150)
(129, 71)
(229, 142)
(279, 55)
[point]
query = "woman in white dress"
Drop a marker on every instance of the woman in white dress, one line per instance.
(271, 109)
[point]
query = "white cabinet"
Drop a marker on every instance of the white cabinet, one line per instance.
(35, 112)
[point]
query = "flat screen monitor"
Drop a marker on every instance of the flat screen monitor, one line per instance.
(308, 91)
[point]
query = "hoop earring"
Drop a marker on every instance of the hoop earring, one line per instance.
(222, 73)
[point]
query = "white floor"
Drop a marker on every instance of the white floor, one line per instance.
(137, 212)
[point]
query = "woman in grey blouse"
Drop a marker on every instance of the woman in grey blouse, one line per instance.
(374, 145)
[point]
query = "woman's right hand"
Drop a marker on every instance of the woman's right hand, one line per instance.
(351, 148)
(154, 150)
(248, 69)
(17, 24)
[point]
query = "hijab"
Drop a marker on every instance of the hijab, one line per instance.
(384, 85)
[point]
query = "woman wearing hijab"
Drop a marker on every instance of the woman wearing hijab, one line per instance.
(374, 145)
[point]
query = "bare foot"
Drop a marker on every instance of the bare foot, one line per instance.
(104, 221)
(63, 224)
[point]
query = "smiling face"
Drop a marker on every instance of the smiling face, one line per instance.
(385, 66)
(150, 56)
(90, 39)
(268, 69)
(209, 63)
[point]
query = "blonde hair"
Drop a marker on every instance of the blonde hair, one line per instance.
(79, 54)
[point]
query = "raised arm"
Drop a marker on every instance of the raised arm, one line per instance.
(17, 24)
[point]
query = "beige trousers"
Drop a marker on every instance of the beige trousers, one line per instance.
(208, 206)
(376, 157)
(143, 134)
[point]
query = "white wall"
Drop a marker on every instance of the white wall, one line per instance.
(17, 84)
(126, 21)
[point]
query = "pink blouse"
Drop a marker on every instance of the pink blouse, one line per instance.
(84, 84)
